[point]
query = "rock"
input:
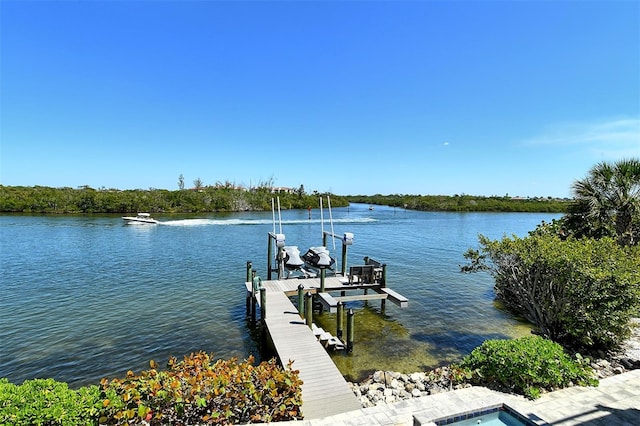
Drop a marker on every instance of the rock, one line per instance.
(415, 393)
(626, 362)
(436, 390)
(374, 388)
(417, 377)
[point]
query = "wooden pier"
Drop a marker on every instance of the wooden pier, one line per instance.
(325, 392)
(293, 336)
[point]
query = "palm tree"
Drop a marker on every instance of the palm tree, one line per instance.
(607, 201)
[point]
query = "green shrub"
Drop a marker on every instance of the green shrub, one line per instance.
(527, 366)
(581, 293)
(198, 390)
(45, 402)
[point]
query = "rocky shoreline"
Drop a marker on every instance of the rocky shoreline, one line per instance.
(387, 387)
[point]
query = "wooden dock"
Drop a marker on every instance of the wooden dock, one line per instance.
(325, 392)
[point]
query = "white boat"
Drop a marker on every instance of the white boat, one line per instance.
(141, 218)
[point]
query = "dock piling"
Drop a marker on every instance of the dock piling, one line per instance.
(269, 257)
(255, 283)
(301, 300)
(340, 320)
(308, 309)
(263, 303)
(350, 331)
(248, 297)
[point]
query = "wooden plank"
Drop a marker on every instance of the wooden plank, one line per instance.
(396, 298)
(328, 302)
(356, 297)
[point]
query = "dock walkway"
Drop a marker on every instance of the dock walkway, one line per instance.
(325, 392)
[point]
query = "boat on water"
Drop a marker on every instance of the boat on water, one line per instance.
(141, 218)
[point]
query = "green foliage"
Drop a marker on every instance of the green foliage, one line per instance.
(465, 203)
(45, 402)
(607, 202)
(198, 390)
(222, 197)
(528, 366)
(578, 292)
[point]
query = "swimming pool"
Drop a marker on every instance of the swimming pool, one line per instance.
(494, 416)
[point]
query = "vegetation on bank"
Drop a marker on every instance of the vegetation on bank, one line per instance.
(466, 203)
(527, 366)
(196, 390)
(42, 199)
(227, 198)
(576, 279)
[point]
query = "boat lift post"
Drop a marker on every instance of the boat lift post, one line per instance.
(279, 243)
(347, 240)
(249, 277)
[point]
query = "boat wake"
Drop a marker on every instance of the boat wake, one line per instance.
(249, 222)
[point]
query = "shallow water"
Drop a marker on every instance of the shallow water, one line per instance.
(86, 297)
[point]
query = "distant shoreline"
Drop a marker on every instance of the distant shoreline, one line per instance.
(212, 199)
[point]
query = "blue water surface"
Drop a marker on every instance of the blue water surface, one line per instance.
(86, 297)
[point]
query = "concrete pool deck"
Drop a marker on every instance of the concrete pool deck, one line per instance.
(615, 402)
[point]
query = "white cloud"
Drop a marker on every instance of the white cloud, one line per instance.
(607, 139)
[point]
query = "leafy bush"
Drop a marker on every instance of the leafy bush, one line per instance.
(198, 390)
(528, 366)
(578, 292)
(46, 402)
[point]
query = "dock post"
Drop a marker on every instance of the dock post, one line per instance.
(344, 259)
(308, 309)
(254, 288)
(263, 303)
(323, 273)
(384, 275)
(269, 254)
(248, 298)
(340, 320)
(350, 331)
(301, 300)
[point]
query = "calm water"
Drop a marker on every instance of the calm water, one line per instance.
(87, 297)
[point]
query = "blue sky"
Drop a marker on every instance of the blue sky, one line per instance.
(351, 97)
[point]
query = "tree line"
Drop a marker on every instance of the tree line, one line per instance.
(220, 198)
(466, 203)
(42, 199)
